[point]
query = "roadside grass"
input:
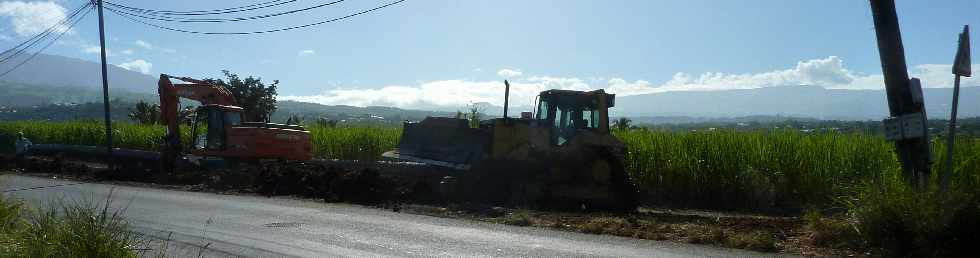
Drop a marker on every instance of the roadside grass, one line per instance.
(519, 218)
(79, 229)
(890, 218)
(854, 179)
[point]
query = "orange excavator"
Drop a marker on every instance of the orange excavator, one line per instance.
(219, 136)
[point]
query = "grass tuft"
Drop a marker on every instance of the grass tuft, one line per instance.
(78, 229)
(519, 218)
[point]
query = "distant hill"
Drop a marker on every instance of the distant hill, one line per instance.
(20, 101)
(50, 79)
(788, 101)
(65, 71)
(28, 95)
(312, 111)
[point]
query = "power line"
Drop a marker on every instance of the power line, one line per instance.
(40, 36)
(217, 20)
(134, 19)
(203, 12)
(47, 45)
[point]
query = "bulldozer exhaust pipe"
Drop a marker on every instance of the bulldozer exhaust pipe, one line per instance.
(506, 97)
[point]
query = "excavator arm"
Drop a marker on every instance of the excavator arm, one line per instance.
(198, 90)
(170, 95)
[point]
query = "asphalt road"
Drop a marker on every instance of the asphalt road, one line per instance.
(249, 226)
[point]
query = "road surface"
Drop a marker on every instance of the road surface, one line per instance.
(250, 226)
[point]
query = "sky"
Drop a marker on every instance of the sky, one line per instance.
(449, 53)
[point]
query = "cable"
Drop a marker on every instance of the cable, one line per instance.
(254, 32)
(47, 45)
(44, 33)
(203, 12)
(216, 20)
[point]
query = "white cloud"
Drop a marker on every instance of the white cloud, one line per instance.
(828, 72)
(625, 88)
(825, 72)
(941, 75)
(138, 65)
(127, 52)
(308, 52)
(509, 73)
(31, 18)
(150, 46)
(90, 49)
(143, 44)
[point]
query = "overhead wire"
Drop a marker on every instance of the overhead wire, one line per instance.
(46, 46)
(38, 37)
(217, 20)
(137, 20)
(245, 8)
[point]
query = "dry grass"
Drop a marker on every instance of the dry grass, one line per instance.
(62, 229)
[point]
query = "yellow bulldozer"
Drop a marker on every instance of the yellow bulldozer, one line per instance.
(560, 154)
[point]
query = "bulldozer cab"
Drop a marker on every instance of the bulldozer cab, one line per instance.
(570, 112)
(210, 122)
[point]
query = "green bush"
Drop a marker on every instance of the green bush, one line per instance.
(901, 222)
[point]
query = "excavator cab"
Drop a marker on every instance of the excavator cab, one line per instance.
(216, 118)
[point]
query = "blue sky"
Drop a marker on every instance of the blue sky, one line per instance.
(424, 53)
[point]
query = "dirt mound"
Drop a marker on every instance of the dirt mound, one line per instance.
(308, 180)
(333, 184)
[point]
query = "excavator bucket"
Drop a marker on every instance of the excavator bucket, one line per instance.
(439, 141)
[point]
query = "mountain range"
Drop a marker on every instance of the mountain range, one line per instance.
(63, 71)
(55, 79)
(790, 101)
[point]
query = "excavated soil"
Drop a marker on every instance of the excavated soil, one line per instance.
(368, 187)
(331, 184)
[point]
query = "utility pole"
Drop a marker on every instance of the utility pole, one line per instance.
(105, 89)
(961, 67)
(907, 124)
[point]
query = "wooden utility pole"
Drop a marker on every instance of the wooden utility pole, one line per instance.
(907, 124)
(105, 89)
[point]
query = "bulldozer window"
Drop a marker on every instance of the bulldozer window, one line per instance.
(570, 119)
(543, 110)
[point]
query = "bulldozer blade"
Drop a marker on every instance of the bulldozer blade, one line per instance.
(440, 141)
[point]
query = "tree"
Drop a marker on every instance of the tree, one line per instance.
(622, 123)
(476, 113)
(256, 98)
(145, 113)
